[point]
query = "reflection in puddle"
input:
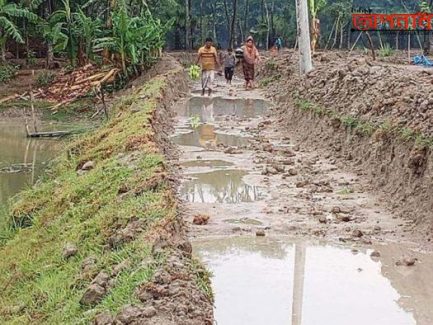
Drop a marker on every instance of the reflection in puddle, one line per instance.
(206, 137)
(211, 109)
(269, 281)
(22, 160)
(207, 163)
(222, 186)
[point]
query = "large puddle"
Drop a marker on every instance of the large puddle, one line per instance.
(260, 281)
(22, 160)
(219, 186)
(205, 136)
(211, 109)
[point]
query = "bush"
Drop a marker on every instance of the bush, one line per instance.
(45, 78)
(386, 50)
(7, 72)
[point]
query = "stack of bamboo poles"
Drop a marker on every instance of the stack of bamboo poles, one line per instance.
(68, 87)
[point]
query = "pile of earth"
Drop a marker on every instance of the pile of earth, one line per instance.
(373, 91)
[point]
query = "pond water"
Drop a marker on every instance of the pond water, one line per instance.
(22, 160)
(276, 281)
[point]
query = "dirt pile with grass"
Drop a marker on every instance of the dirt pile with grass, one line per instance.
(377, 117)
(100, 240)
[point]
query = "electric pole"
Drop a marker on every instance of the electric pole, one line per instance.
(305, 63)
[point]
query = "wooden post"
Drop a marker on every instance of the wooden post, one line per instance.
(305, 63)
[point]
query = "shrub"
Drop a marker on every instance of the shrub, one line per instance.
(7, 72)
(45, 78)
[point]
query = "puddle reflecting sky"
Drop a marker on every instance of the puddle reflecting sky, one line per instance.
(206, 136)
(254, 284)
(221, 186)
(211, 109)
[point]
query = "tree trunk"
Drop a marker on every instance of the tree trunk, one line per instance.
(268, 27)
(109, 24)
(349, 36)
(303, 35)
(232, 27)
(336, 32)
(187, 26)
(2, 49)
(246, 13)
(396, 40)
(201, 22)
(340, 46)
(50, 50)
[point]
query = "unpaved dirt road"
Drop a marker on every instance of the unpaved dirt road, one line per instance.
(246, 174)
(249, 188)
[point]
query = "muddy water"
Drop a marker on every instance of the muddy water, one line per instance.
(276, 281)
(22, 160)
(206, 136)
(219, 186)
(216, 108)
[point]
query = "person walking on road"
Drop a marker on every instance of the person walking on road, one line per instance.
(208, 57)
(229, 66)
(250, 59)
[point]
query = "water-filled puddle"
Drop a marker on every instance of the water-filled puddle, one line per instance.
(211, 109)
(22, 160)
(207, 163)
(221, 186)
(205, 136)
(274, 281)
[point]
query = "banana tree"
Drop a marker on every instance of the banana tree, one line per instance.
(315, 7)
(8, 29)
(133, 38)
(64, 17)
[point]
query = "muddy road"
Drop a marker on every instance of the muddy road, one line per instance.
(290, 235)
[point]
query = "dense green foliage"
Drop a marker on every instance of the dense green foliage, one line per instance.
(130, 32)
(7, 71)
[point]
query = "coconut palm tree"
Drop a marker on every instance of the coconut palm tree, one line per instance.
(8, 29)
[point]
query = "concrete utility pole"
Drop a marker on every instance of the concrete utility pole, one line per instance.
(305, 63)
(298, 283)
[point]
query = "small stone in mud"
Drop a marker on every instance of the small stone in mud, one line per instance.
(260, 233)
(344, 218)
(301, 184)
(375, 254)
(407, 261)
(149, 312)
(357, 233)
(322, 219)
(232, 150)
(69, 250)
(236, 229)
(201, 219)
(103, 319)
(292, 172)
(88, 165)
(377, 228)
(336, 210)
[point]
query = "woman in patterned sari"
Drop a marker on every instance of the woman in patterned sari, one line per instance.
(251, 58)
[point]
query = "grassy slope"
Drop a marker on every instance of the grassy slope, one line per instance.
(37, 284)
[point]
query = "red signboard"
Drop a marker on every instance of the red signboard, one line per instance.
(392, 22)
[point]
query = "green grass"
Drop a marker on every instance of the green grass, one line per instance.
(345, 191)
(364, 128)
(39, 286)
